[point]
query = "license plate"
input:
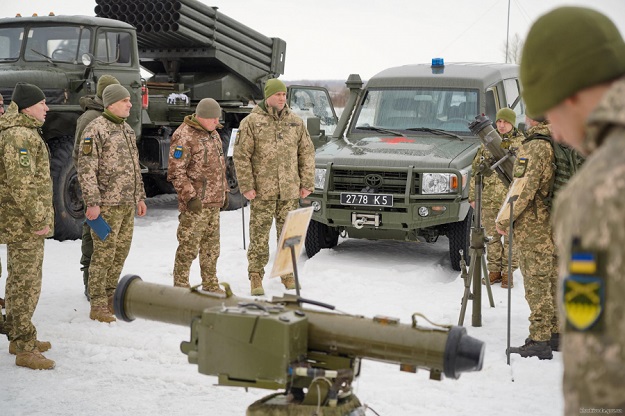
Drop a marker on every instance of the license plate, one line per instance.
(374, 200)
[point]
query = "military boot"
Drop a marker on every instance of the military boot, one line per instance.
(494, 277)
(101, 313)
(505, 281)
(288, 281)
(34, 359)
(531, 348)
(213, 288)
(42, 346)
(256, 283)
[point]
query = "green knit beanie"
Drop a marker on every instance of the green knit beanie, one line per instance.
(506, 114)
(26, 95)
(114, 93)
(273, 86)
(208, 108)
(103, 82)
(567, 50)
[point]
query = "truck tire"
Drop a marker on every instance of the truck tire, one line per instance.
(459, 234)
(319, 236)
(69, 212)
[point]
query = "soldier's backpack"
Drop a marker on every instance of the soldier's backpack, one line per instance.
(567, 163)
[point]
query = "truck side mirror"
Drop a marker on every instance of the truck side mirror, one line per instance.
(313, 124)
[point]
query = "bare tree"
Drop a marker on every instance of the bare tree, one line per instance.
(514, 49)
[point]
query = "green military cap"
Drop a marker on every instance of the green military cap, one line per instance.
(26, 95)
(273, 86)
(104, 81)
(208, 108)
(114, 93)
(506, 114)
(567, 50)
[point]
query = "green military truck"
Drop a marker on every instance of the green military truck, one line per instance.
(398, 163)
(168, 54)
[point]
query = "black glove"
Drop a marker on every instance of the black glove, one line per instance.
(194, 205)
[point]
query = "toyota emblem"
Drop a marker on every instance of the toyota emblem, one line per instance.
(373, 180)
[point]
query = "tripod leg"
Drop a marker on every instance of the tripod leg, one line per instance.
(491, 301)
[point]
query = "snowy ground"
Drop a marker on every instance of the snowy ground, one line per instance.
(137, 368)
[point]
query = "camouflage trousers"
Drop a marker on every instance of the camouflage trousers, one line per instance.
(262, 215)
(109, 255)
(498, 247)
(23, 287)
(198, 233)
(540, 278)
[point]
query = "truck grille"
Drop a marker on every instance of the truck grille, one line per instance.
(348, 180)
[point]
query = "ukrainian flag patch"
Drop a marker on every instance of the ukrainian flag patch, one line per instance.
(521, 167)
(178, 152)
(24, 157)
(584, 289)
(583, 263)
(87, 146)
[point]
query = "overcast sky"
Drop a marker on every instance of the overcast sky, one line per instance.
(329, 39)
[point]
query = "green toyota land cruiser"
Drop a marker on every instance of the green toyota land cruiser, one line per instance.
(398, 163)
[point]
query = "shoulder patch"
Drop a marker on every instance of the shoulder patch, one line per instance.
(583, 293)
(178, 152)
(519, 169)
(24, 157)
(87, 146)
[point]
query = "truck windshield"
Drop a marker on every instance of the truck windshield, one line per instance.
(10, 43)
(418, 109)
(57, 43)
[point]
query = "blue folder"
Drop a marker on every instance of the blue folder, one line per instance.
(101, 227)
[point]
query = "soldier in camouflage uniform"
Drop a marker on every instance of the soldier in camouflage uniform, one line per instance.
(93, 107)
(26, 218)
(110, 178)
(197, 169)
(534, 171)
(573, 71)
(493, 194)
(275, 163)
(1, 299)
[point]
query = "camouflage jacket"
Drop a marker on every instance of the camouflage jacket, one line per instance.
(25, 183)
(108, 164)
(273, 154)
(197, 167)
(92, 107)
(533, 172)
(493, 190)
(590, 209)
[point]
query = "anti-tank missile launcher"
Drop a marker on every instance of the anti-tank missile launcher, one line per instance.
(503, 162)
(280, 344)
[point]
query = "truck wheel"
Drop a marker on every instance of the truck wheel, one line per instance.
(459, 234)
(320, 236)
(69, 213)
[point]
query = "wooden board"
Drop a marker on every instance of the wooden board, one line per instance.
(293, 233)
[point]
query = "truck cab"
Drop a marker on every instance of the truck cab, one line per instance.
(398, 164)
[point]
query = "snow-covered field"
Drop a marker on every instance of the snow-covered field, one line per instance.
(137, 368)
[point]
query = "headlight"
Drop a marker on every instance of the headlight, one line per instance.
(436, 183)
(442, 183)
(320, 178)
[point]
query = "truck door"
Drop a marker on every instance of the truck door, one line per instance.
(314, 106)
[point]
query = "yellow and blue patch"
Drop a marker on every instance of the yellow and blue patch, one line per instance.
(24, 157)
(178, 152)
(87, 146)
(521, 167)
(583, 291)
